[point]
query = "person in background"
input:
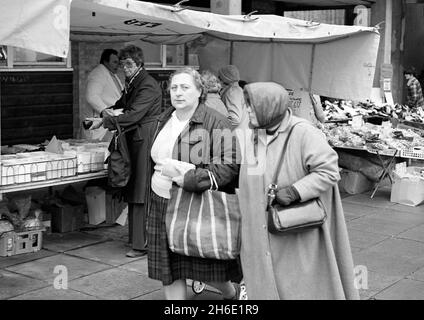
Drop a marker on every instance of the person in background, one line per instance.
(312, 264)
(104, 88)
(414, 98)
(177, 125)
(212, 87)
(242, 83)
(232, 96)
(141, 103)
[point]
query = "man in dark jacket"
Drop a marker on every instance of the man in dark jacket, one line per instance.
(141, 101)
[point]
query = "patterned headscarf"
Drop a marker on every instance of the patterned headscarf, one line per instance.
(270, 102)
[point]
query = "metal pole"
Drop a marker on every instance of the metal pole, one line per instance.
(388, 32)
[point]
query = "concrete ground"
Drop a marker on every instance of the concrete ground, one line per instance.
(387, 242)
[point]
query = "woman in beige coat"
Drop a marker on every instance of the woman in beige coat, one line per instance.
(312, 264)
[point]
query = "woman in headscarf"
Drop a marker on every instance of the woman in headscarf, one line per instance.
(312, 264)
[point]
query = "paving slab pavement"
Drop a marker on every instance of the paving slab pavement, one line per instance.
(115, 284)
(375, 283)
(47, 268)
(50, 293)
(405, 289)
(62, 242)
(110, 252)
(13, 284)
(416, 233)
(387, 240)
(25, 257)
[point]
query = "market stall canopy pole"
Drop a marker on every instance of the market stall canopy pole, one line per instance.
(41, 25)
(343, 60)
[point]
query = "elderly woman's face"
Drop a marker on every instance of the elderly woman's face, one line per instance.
(184, 93)
(129, 67)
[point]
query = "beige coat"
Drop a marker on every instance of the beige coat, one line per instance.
(315, 264)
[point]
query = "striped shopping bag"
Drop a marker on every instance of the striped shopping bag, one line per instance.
(205, 225)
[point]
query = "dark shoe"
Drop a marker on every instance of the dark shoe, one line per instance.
(136, 253)
(237, 294)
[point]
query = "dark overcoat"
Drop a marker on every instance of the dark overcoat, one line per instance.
(141, 103)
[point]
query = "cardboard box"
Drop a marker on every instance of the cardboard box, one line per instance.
(96, 204)
(66, 218)
(408, 190)
(102, 207)
(353, 182)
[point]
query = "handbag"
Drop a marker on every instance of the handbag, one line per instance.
(295, 217)
(205, 225)
(119, 160)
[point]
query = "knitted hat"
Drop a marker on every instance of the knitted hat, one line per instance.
(229, 74)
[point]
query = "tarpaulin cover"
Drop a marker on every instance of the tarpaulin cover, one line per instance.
(41, 25)
(329, 60)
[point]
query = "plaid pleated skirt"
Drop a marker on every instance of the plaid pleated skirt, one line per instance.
(167, 266)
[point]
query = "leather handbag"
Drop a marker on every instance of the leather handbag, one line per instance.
(295, 217)
(119, 160)
(205, 225)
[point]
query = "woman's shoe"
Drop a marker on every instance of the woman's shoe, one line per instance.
(136, 253)
(237, 294)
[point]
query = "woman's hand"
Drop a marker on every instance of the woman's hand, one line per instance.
(96, 124)
(287, 196)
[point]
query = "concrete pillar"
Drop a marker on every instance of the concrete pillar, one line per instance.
(390, 45)
(226, 6)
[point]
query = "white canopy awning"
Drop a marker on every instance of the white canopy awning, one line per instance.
(325, 59)
(328, 3)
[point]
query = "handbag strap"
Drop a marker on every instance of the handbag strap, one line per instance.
(283, 152)
(121, 130)
(212, 180)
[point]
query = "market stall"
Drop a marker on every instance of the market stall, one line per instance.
(324, 59)
(295, 53)
(385, 134)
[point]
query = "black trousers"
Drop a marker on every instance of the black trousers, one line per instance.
(137, 225)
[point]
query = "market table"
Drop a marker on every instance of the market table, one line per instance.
(52, 182)
(392, 155)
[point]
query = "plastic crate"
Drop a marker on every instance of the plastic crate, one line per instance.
(7, 241)
(25, 169)
(97, 159)
(414, 153)
(385, 152)
(12, 243)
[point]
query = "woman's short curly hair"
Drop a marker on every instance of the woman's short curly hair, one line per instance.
(197, 79)
(211, 82)
(133, 52)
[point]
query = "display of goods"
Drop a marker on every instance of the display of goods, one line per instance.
(374, 138)
(36, 166)
(342, 110)
(34, 223)
(5, 226)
